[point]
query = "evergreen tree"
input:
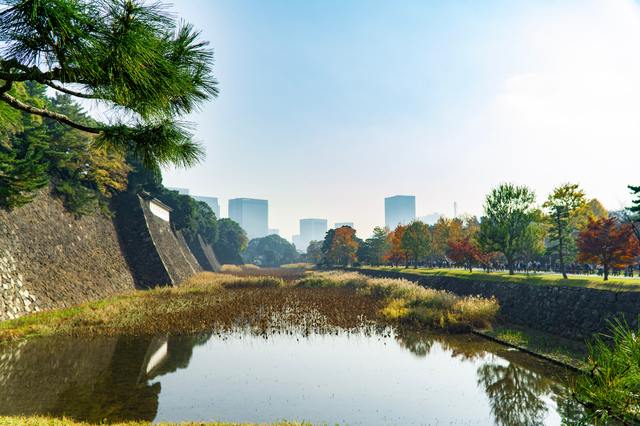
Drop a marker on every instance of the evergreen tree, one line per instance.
(130, 54)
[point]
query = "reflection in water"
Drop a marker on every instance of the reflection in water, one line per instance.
(515, 394)
(90, 380)
(120, 379)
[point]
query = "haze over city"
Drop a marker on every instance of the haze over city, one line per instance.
(331, 106)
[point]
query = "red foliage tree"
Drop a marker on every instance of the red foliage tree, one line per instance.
(395, 253)
(463, 252)
(343, 247)
(608, 243)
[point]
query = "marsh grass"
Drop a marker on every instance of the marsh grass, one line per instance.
(412, 304)
(65, 421)
(306, 302)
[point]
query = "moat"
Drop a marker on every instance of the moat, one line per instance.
(365, 377)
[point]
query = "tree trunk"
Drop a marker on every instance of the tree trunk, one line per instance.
(606, 271)
(510, 266)
(561, 253)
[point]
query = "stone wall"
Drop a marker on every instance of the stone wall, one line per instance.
(50, 258)
(204, 254)
(156, 255)
(571, 312)
(177, 258)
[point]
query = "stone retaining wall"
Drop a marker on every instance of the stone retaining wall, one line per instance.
(571, 312)
(50, 258)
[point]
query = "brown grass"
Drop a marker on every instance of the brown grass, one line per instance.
(262, 304)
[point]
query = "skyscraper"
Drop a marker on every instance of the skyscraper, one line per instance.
(310, 230)
(252, 215)
(399, 209)
(211, 202)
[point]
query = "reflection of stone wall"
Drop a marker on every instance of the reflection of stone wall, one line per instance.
(572, 312)
(50, 258)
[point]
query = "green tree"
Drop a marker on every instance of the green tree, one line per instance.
(270, 251)
(314, 252)
(508, 212)
(563, 206)
(130, 54)
(232, 240)
(373, 249)
(416, 241)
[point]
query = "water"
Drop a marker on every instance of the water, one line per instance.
(348, 378)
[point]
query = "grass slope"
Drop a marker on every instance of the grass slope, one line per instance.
(614, 284)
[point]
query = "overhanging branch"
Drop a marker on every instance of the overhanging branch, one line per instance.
(46, 113)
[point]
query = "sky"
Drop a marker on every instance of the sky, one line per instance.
(326, 107)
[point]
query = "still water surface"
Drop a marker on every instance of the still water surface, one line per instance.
(348, 378)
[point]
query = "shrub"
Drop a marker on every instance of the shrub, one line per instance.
(611, 387)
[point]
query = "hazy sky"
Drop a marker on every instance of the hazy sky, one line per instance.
(326, 107)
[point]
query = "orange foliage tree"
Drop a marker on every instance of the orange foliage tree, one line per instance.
(395, 253)
(464, 251)
(608, 243)
(343, 247)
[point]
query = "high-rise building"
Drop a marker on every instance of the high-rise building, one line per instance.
(252, 215)
(211, 202)
(274, 231)
(341, 224)
(310, 230)
(399, 210)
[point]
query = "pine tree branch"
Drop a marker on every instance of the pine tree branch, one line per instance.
(45, 113)
(69, 91)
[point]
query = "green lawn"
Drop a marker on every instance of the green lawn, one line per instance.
(614, 283)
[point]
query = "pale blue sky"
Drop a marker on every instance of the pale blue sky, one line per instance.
(326, 107)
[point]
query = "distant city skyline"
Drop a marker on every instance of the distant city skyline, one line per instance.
(310, 229)
(465, 95)
(251, 214)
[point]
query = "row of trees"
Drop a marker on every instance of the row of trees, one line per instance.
(567, 231)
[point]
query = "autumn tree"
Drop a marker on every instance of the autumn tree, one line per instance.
(132, 56)
(562, 206)
(508, 211)
(608, 243)
(395, 252)
(343, 247)
(416, 241)
(464, 252)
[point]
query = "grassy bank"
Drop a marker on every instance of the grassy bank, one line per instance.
(52, 421)
(563, 351)
(263, 304)
(614, 283)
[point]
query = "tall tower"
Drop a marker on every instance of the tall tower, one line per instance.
(455, 209)
(252, 215)
(399, 210)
